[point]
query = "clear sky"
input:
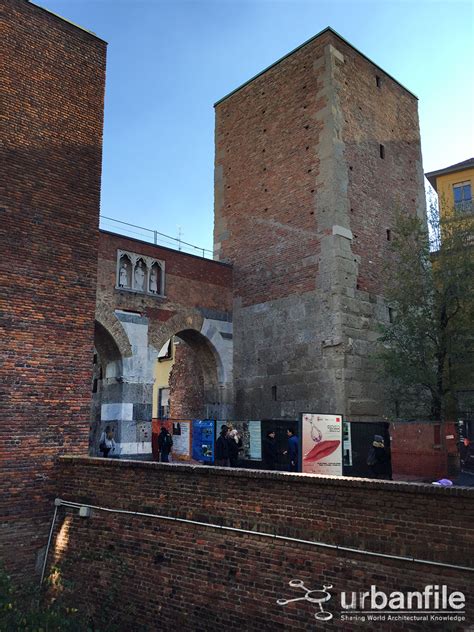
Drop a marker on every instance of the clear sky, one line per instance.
(169, 61)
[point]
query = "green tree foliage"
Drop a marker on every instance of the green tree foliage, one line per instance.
(427, 349)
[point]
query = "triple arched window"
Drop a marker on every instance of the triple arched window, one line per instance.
(138, 273)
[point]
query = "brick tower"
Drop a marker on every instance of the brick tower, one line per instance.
(53, 76)
(314, 158)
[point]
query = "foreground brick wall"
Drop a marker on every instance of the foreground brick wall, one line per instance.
(53, 77)
(155, 574)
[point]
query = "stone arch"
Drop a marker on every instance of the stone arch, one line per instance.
(114, 328)
(191, 327)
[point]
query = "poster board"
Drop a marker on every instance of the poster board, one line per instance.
(181, 434)
(203, 437)
(321, 444)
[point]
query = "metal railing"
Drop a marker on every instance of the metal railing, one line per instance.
(153, 236)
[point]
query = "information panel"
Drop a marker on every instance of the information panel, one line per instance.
(255, 440)
(203, 440)
(322, 444)
(181, 434)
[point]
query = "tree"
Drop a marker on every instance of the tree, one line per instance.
(428, 349)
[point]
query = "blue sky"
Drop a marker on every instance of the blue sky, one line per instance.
(169, 61)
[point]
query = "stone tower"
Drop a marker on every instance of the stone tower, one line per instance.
(314, 158)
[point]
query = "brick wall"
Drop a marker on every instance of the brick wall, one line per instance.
(426, 450)
(191, 282)
(266, 168)
(157, 574)
(53, 77)
(186, 385)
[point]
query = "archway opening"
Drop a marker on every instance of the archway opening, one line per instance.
(186, 378)
(106, 375)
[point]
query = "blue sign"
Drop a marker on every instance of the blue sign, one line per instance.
(203, 440)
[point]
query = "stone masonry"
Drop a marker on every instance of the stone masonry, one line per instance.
(314, 158)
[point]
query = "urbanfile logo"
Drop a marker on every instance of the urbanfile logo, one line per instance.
(317, 597)
(434, 603)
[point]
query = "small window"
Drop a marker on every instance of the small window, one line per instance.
(378, 81)
(163, 403)
(274, 393)
(390, 315)
(382, 151)
(389, 234)
(462, 194)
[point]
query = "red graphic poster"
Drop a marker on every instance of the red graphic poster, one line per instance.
(322, 444)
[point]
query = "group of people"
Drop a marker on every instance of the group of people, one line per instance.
(228, 445)
(271, 455)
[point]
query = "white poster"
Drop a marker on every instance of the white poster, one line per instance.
(181, 434)
(322, 444)
(255, 432)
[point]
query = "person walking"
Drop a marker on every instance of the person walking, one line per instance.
(269, 451)
(293, 450)
(222, 447)
(165, 443)
(107, 442)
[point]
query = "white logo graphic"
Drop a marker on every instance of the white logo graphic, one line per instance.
(313, 596)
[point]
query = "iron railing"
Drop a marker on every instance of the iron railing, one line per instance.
(153, 236)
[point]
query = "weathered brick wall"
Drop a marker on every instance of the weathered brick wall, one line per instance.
(191, 282)
(156, 574)
(53, 77)
(378, 111)
(266, 168)
(186, 385)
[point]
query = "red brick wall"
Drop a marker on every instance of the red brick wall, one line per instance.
(190, 281)
(421, 449)
(266, 160)
(378, 189)
(170, 575)
(53, 88)
(186, 385)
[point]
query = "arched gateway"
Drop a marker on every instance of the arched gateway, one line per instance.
(136, 327)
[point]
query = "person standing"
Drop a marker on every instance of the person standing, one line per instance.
(378, 459)
(269, 451)
(107, 442)
(235, 444)
(165, 443)
(293, 450)
(222, 447)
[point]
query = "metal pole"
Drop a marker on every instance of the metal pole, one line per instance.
(56, 505)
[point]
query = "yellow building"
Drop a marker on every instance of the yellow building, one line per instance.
(162, 371)
(454, 188)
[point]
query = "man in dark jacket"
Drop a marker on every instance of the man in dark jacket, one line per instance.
(293, 449)
(222, 447)
(269, 451)
(378, 459)
(165, 443)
